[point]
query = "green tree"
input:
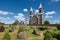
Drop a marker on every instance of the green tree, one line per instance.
(1, 24)
(6, 37)
(46, 22)
(16, 22)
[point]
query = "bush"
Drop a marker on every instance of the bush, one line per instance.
(58, 27)
(54, 39)
(58, 36)
(36, 32)
(53, 35)
(11, 29)
(6, 36)
(20, 29)
(47, 36)
(43, 28)
(2, 28)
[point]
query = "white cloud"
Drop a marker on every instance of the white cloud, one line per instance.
(4, 18)
(20, 17)
(20, 14)
(36, 11)
(55, 0)
(56, 21)
(7, 21)
(25, 10)
(5, 13)
(27, 21)
(48, 16)
(1, 12)
(50, 13)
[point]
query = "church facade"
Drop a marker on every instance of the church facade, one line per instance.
(34, 20)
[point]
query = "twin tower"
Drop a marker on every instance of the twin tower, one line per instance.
(37, 20)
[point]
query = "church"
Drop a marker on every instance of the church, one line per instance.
(37, 20)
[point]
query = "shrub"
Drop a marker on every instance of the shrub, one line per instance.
(58, 27)
(6, 36)
(43, 28)
(47, 36)
(36, 32)
(11, 29)
(20, 29)
(54, 39)
(2, 28)
(53, 35)
(58, 36)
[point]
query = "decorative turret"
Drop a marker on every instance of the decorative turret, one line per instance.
(40, 15)
(40, 6)
(33, 19)
(31, 9)
(31, 12)
(40, 9)
(31, 15)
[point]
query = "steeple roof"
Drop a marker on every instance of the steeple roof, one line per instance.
(40, 5)
(31, 9)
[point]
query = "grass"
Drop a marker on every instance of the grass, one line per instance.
(29, 31)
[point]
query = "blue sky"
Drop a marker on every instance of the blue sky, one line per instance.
(11, 10)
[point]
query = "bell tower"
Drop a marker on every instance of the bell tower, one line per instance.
(31, 12)
(40, 15)
(31, 15)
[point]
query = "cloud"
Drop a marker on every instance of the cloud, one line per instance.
(20, 17)
(4, 18)
(27, 21)
(20, 14)
(48, 16)
(50, 13)
(55, 0)
(8, 21)
(5, 13)
(36, 11)
(25, 10)
(56, 21)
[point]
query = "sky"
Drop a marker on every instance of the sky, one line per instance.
(11, 10)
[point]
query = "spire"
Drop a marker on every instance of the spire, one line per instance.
(40, 5)
(31, 9)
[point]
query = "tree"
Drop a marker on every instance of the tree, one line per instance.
(6, 37)
(16, 22)
(1, 24)
(46, 22)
